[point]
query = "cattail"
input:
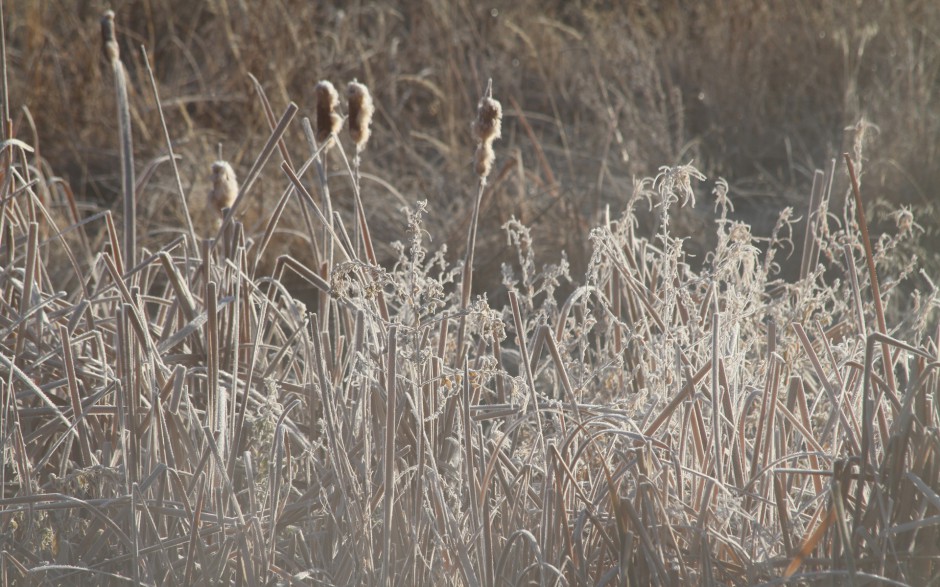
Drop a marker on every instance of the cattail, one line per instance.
(329, 122)
(361, 109)
(488, 125)
(486, 128)
(108, 42)
(224, 186)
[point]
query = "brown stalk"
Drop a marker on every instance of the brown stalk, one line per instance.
(873, 275)
(783, 516)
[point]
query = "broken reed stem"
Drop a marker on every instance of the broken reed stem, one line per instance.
(308, 199)
(810, 243)
(255, 170)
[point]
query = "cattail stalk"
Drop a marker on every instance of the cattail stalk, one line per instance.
(361, 108)
(329, 124)
(113, 54)
(486, 128)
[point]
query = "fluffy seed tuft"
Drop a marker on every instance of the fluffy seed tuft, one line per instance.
(329, 122)
(486, 128)
(488, 125)
(224, 186)
(361, 110)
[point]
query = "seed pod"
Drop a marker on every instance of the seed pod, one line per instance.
(224, 186)
(361, 109)
(329, 122)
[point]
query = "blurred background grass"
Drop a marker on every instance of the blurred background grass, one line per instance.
(595, 94)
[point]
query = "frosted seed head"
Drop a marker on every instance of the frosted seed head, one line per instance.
(361, 109)
(224, 186)
(329, 122)
(486, 128)
(488, 125)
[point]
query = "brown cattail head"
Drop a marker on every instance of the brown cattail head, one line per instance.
(224, 186)
(108, 42)
(361, 110)
(329, 122)
(488, 125)
(487, 128)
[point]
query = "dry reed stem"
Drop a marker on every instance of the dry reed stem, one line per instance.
(169, 145)
(125, 136)
(259, 163)
(872, 274)
(815, 214)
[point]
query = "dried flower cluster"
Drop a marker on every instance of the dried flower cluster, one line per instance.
(486, 128)
(224, 186)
